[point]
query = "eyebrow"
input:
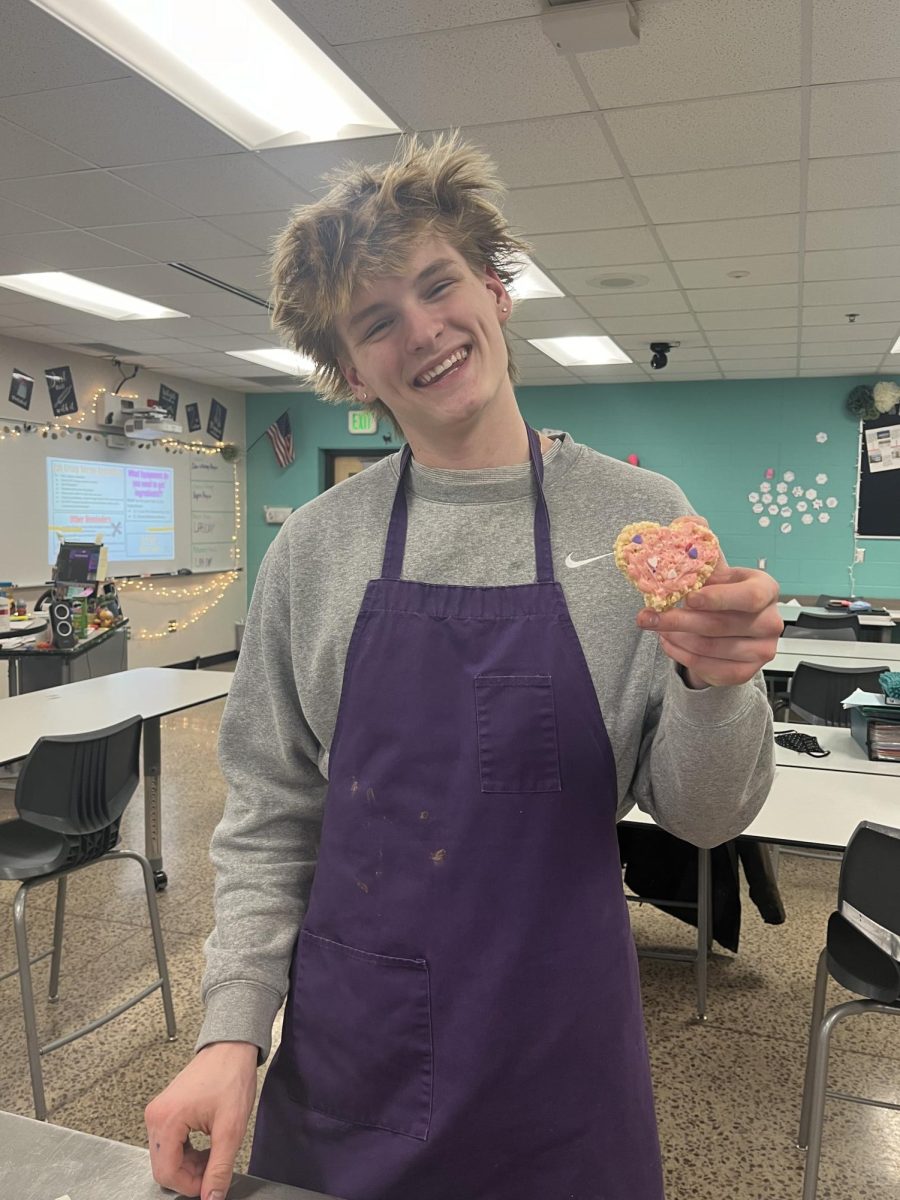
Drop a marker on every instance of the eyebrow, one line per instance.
(439, 264)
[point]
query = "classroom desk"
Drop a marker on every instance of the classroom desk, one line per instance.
(148, 692)
(102, 652)
(828, 652)
(884, 623)
(42, 1162)
(813, 802)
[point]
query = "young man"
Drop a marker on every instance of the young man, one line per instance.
(446, 696)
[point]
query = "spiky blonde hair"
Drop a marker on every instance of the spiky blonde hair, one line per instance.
(365, 227)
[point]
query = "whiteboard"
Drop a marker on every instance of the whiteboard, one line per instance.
(203, 496)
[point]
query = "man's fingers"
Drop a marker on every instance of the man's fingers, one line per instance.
(735, 589)
(176, 1164)
(717, 672)
(226, 1136)
(727, 649)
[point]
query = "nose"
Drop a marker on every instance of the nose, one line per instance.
(424, 327)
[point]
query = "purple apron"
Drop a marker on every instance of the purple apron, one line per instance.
(464, 1018)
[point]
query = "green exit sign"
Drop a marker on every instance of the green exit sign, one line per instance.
(360, 420)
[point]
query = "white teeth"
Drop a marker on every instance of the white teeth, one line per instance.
(435, 372)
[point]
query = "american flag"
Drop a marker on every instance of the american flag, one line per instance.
(279, 434)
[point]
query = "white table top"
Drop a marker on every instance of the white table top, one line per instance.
(829, 652)
(788, 612)
(819, 802)
(95, 703)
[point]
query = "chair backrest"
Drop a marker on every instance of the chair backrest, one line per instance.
(844, 634)
(870, 882)
(816, 691)
(826, 623)
(80, 783)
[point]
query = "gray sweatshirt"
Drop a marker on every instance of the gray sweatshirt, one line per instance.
(700, 762)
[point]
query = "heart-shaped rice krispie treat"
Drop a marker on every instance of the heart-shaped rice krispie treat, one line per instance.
(665, 562)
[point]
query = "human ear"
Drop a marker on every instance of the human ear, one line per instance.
(497, 288)
(357, 386)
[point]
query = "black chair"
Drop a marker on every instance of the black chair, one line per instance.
(825, 623)
(70, 796)
(862, 952)
(816, 692)
(840, 633)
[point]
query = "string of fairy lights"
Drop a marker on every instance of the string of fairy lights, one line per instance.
(209, 594)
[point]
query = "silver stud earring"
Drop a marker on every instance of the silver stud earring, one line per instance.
(365, 397)
(504, 309)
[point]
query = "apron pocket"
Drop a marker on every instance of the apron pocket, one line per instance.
(359, 1043)
(517, 743)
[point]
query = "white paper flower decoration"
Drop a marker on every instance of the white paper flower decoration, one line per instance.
(757, 508)
(802, 506)
(824, 518)
(831, 502)
(796, 491)
(821, 437)
(817, 504)
(807, 518)
(764, 521)
(786, 527)
(773, 509)
(786, 512)
(765, 487)
(811, 493)
(788, 477)
(821, 478)
(886, 395)
(780, 487)
(753, 497)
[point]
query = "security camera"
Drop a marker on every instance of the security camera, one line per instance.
(661, 352)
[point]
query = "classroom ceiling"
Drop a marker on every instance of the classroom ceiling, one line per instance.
(741, 165)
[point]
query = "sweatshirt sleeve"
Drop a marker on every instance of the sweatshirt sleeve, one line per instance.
(707, 757)
(265, 847)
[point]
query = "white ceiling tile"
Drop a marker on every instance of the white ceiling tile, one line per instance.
(261, 324)
(38, 52)
(859, 263)
(851, 291)
(597, 247)
(152, 280)
(36, 312)
(606, 204)
(853, 227)
(633, 303)
(70, 250)
(248, 271)
(852, 334)
(565, 149)
(718, 239)
(117, 122)
(356, 21)
(457, 77)
(576, 327)
(175, 241)
(700, 134)
(619, 371)
(763, 269)
(9, 322)
(848, 361)
(870, 179)
(177, 327)
(677, 323)
(784, 373)
(726, 354)
(857, 118)
(225, 341)
(691, 49)
(22, 155)
(559, 309)
(774, 296)
(753, 337)
(683, 375)
(829, 372)
(212, 302)
(88, 198)
(870, 349)
(257, 229)
(587, 281)
(548, 374)
(16, 219)
(772, 363)
(836, 314)
(860, 40)
(714, 195)
(211, 186)
(761, 318)
(306, 165)
(14, 263)
(639, 349)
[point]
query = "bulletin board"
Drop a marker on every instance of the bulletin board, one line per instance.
(878, 486)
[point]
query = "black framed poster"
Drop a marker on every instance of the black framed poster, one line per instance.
(20, 388)
(193, 417)
(215, 426)
(62, 391)
(168, 401)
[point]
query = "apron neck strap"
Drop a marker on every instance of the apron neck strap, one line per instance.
(392, 566)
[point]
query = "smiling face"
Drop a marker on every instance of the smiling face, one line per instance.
(429, 344)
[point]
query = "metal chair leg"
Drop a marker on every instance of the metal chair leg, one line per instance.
(58, 922)
(158, 945)
(815, 1023)
(28, 1012)
(704, 928)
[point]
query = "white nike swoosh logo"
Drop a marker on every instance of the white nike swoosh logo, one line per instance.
(580, 562)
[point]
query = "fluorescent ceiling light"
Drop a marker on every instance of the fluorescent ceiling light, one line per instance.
(241, 64)
(895, 349)
(277, 360)
(61, 288)
(533, 284)
(581, 351)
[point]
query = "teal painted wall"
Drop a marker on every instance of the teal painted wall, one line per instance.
(715, 438)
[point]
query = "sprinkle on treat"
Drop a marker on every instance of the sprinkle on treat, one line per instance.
(665, 562)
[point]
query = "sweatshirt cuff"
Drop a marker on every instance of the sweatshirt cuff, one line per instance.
(710, 705)
(240, 1012)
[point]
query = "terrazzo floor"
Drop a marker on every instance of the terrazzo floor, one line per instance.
(727, 1091)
